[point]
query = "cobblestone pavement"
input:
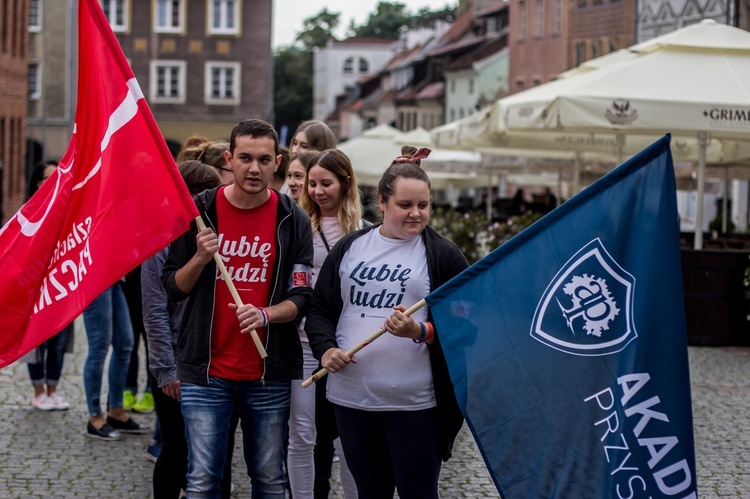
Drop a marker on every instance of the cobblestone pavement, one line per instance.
(45, 454)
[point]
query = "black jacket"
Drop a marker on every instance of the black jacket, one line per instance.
(444, 261)
(293, 247)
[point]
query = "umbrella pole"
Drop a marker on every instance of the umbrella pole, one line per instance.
(577, 172)
(703, 139)
(724, 202)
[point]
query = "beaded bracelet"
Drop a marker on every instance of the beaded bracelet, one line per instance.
(265, 316)
(423, 335)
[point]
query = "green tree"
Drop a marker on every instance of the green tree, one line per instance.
(293, 70)
(293, 89)
(318, 29)
(388, 21)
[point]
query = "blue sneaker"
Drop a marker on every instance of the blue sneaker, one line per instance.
(153, 449)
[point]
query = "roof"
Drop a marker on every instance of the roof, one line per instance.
(434, 90)
(466, 61)
(363, 41)
(446, 49)
(458, 28)
(492, 10)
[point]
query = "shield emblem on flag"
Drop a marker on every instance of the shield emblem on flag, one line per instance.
(587, 309)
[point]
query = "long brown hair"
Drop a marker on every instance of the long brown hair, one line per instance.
(349, 209)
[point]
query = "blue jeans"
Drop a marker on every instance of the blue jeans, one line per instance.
(47, 371)
(263, 412)
(107, 322)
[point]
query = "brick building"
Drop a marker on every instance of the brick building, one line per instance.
(598, 27)
(13, 84)
(538, 42)
(203, 65)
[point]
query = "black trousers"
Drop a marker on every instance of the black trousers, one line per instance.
(391, 450)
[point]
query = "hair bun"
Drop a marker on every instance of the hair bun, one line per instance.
(408, 151)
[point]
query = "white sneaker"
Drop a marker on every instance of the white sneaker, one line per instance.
(60, 403)
(43, 402)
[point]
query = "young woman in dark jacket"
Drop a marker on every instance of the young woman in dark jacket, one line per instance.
(394, 404)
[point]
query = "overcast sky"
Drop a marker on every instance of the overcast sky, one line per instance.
(288, 15)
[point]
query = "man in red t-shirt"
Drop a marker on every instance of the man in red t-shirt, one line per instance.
(265, 241)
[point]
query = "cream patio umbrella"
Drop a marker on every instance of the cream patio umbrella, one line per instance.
(373, 151)
(693, 83)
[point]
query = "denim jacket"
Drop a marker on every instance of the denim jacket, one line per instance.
(161, 320)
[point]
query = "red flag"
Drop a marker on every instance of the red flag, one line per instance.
(115, 199)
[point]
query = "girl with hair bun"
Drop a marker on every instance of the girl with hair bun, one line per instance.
(395, 407)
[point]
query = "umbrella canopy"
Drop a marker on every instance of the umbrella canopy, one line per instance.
(375, 149)
(693, 83)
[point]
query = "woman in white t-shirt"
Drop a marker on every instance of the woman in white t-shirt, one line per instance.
(395, 408)
(331, 198)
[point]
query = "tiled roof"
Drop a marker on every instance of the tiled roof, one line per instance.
(432, 91)
(445, 49)
(493, 46)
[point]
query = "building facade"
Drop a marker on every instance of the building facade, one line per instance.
(13, 84)
(598, 27)
(203, 65)
(341, 64)
(538, 42)
(658, 17)
(52, 78)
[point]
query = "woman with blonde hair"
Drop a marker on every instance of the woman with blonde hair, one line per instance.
(331, 199)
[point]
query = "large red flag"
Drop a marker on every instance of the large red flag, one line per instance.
(115, 199)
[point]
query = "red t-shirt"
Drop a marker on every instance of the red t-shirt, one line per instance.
(247, 244)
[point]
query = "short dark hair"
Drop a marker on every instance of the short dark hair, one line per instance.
(198, 176)
(280, 172)
(255, 129)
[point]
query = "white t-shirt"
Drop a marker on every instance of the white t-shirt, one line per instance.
(391, 373)
(332, 232)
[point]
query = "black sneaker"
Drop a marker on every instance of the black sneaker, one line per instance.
(106, 432)
(128, 426)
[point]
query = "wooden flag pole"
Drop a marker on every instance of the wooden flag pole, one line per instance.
(374, 336)
(232, 289)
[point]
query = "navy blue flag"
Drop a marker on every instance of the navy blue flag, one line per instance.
(567, 345)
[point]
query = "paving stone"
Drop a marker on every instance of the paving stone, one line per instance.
(46, 454)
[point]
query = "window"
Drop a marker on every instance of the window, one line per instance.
(580, 53)
(167, 82)
(349, 66)
(116, 12)
(471, 86)
(223, 17)
(222, 83)
(520, 85)
(169, 16)
(522, 20)
(35, 15)
(35, 81)
(539, 18)
(613, 45)
(453, 86)
(596, 49)
(557, 17)
(364, 67)
(491, 25)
